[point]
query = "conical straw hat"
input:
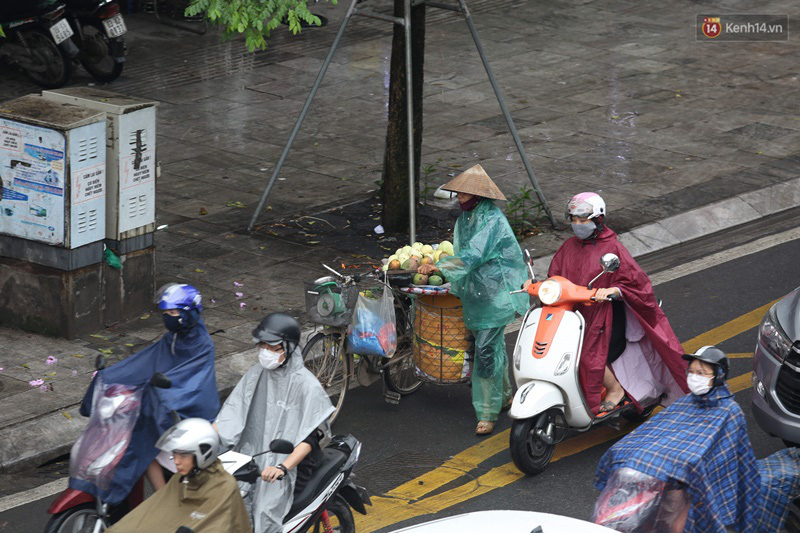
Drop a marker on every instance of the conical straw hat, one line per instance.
(475, 181)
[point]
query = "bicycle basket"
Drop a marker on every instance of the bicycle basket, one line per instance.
(329, 303)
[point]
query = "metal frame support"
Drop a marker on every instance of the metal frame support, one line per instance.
(506, 113)
(406, 23)
(412, 193)
(350, 11)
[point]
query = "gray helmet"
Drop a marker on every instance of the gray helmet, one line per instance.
(714, 357)
(194, 436)
(278, 328)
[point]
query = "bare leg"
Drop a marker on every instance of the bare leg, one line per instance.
(155, 476)
(615, 392)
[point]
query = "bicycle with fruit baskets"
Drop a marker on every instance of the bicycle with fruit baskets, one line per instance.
(330, 301)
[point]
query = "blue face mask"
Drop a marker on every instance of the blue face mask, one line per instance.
(172, 323)
(584, 231)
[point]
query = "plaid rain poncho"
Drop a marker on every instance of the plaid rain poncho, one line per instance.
(702, 443)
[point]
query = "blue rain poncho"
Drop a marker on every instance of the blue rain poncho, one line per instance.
(187, 359)
(487, 265)
(702, 443)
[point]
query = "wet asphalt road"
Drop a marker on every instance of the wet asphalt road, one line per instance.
(404, 441)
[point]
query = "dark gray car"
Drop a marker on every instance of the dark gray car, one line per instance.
(776, 370)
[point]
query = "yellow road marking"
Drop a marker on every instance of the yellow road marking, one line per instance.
(746, 355)
(728, 330)
(403, 502)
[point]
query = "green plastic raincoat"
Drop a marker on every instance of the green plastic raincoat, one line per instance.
(486, 267)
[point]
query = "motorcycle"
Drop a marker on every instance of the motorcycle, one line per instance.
(99, 29)
(330, 491)
(115, 409)
(37, 40)
(549, 398)
(634, 501)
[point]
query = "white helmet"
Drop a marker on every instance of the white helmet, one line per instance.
(194, 436)
(586, 205)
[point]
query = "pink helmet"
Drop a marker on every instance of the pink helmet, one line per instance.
(586, 205)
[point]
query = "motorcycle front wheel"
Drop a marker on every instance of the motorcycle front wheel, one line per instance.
(79, 519)
(530, 454)
(96, 55)
(53, 66)
(340, 515)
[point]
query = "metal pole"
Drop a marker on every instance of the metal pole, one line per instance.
(506, 113)
(412, 185)
(303, 114)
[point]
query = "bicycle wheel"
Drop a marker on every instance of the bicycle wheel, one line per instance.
(400, 373)
(322, 358)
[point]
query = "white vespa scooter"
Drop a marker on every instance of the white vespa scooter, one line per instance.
(549, 399)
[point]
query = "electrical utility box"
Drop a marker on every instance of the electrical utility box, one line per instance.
(52, 175)
(131, 169)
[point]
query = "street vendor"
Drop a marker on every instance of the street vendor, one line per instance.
(629, 347)
(486, 267)
(698, 446)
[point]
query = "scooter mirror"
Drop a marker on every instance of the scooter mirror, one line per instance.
(161, 381)
(529, 263)
(100, 362)
(281, 446)
(610, 262)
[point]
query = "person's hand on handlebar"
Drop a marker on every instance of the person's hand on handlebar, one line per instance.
(604, 294)
(427, 270)
(271, 473)
(526, 284)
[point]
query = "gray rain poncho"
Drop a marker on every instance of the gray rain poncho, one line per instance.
(286, 403)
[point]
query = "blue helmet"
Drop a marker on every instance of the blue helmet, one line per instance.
(178, 296)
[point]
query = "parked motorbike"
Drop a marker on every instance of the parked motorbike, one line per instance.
(95, 456)
(549, 398)
(37, 40)
(99, 29)
(330, 491)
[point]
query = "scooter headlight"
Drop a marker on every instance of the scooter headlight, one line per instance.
(549, 292)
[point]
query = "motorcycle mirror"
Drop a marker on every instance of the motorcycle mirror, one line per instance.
(609, 262)
(281, 446)
(529, 263)
(161, 381)
(100, 362)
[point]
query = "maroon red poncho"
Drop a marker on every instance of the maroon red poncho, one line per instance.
(579, 262)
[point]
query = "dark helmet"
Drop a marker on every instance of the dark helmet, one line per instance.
(714, 357)
(279, 328)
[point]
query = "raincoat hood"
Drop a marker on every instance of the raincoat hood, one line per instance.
(487, 265)
(206, 502)
(702, 443)
(188, 360)
(285, 403)
(579, 262)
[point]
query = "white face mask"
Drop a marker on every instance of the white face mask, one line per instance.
(269, 359)
(699, 385)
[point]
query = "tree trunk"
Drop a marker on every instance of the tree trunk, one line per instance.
(394, 191)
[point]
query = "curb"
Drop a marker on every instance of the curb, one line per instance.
(53, 433)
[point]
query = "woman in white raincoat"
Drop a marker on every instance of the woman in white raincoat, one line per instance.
(278, 398)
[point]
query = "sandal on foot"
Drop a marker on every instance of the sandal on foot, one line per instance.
(607, 407)
(485, 427)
